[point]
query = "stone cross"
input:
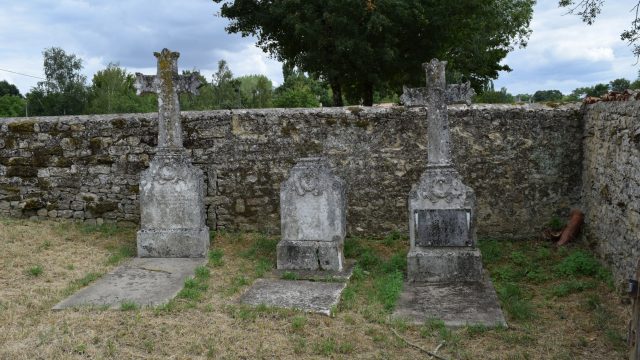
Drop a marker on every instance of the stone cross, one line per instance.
(167, 84)
(436, 96)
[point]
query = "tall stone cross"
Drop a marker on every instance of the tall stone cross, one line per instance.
(167, 84)
(436, 96)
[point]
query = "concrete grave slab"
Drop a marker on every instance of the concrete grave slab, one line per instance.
(309, 296)
(144, 281)
(457, 304)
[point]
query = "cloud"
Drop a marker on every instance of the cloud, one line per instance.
(563, 52)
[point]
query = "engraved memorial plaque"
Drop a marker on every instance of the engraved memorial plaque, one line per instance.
(442, 227)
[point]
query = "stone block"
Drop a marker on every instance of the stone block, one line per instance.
(310, 255)
(446, 264)
(167, 243)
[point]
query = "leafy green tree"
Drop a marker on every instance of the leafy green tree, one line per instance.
(596, 90)
(8, 89)
(112, 91)
(523, 98)
(256, 91)
(226, 89)
(300, 90)
(495, 97)
(12, 106)
(64, 91)
(359, 46)
(620, 85)
(547, 95)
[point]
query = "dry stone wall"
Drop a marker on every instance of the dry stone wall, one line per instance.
(611, 177)
(524, 163)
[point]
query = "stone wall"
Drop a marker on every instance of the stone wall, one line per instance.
(611, 178)
(524, 163)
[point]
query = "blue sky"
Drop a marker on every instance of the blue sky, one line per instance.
(563, 53)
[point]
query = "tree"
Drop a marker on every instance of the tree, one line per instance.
(226, 90)
(589, 10)
(620, 85)
(547, 95)
(359, 46)
(256, 91)
(8, 89)
(298, 90)
(495, 97)
(112, 91)
(12, 106)
(596, 91)
(64, 91)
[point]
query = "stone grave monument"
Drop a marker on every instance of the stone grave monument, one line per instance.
(172, 214)
(313, 228)
(173, 239)
(312, 218)
(444, 266)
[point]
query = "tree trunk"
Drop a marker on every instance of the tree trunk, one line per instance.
(337, 93)
(367, 95)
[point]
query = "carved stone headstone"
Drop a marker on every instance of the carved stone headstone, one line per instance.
(172, 210)
(441, 208)
(313, 218)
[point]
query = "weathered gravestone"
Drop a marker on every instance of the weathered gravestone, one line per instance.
(172, 222)
(173, 238)
(444, 266)
(313, 227)
(312, 218)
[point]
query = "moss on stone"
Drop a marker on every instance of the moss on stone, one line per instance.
(22, 127)
(331, 121)
(22, 171)
(19, 161)
(63, 162)
(9, 142)
(99, 208)
(34, 203)
(134, 189)
(362, 123)
(9, 188)
(44, 184)
(95, 145)
(52, 206)
(288, 129)
(119, 123)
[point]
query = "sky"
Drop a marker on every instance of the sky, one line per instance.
(562, 53)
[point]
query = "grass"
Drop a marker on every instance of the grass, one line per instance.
(35, 270)
(558, 303)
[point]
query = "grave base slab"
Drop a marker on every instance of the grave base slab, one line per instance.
(457, 304)
(309, 296)
(143, 281)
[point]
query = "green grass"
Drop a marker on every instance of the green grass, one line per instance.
(263, 247)
(215, 257)
(121, 253)
(287, 275)
(129, 305)
(298, 322)
(35, 271)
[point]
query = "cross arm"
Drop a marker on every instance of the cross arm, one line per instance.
(145, 84)
(189, 83)
(455, 94)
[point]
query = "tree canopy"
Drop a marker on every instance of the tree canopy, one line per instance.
(64, 91)
(8, 89)
(359, 46)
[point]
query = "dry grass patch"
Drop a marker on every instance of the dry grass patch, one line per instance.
(205, 321)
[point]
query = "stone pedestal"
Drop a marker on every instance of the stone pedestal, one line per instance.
(442, 229)
(313, 218)
(172, 210)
